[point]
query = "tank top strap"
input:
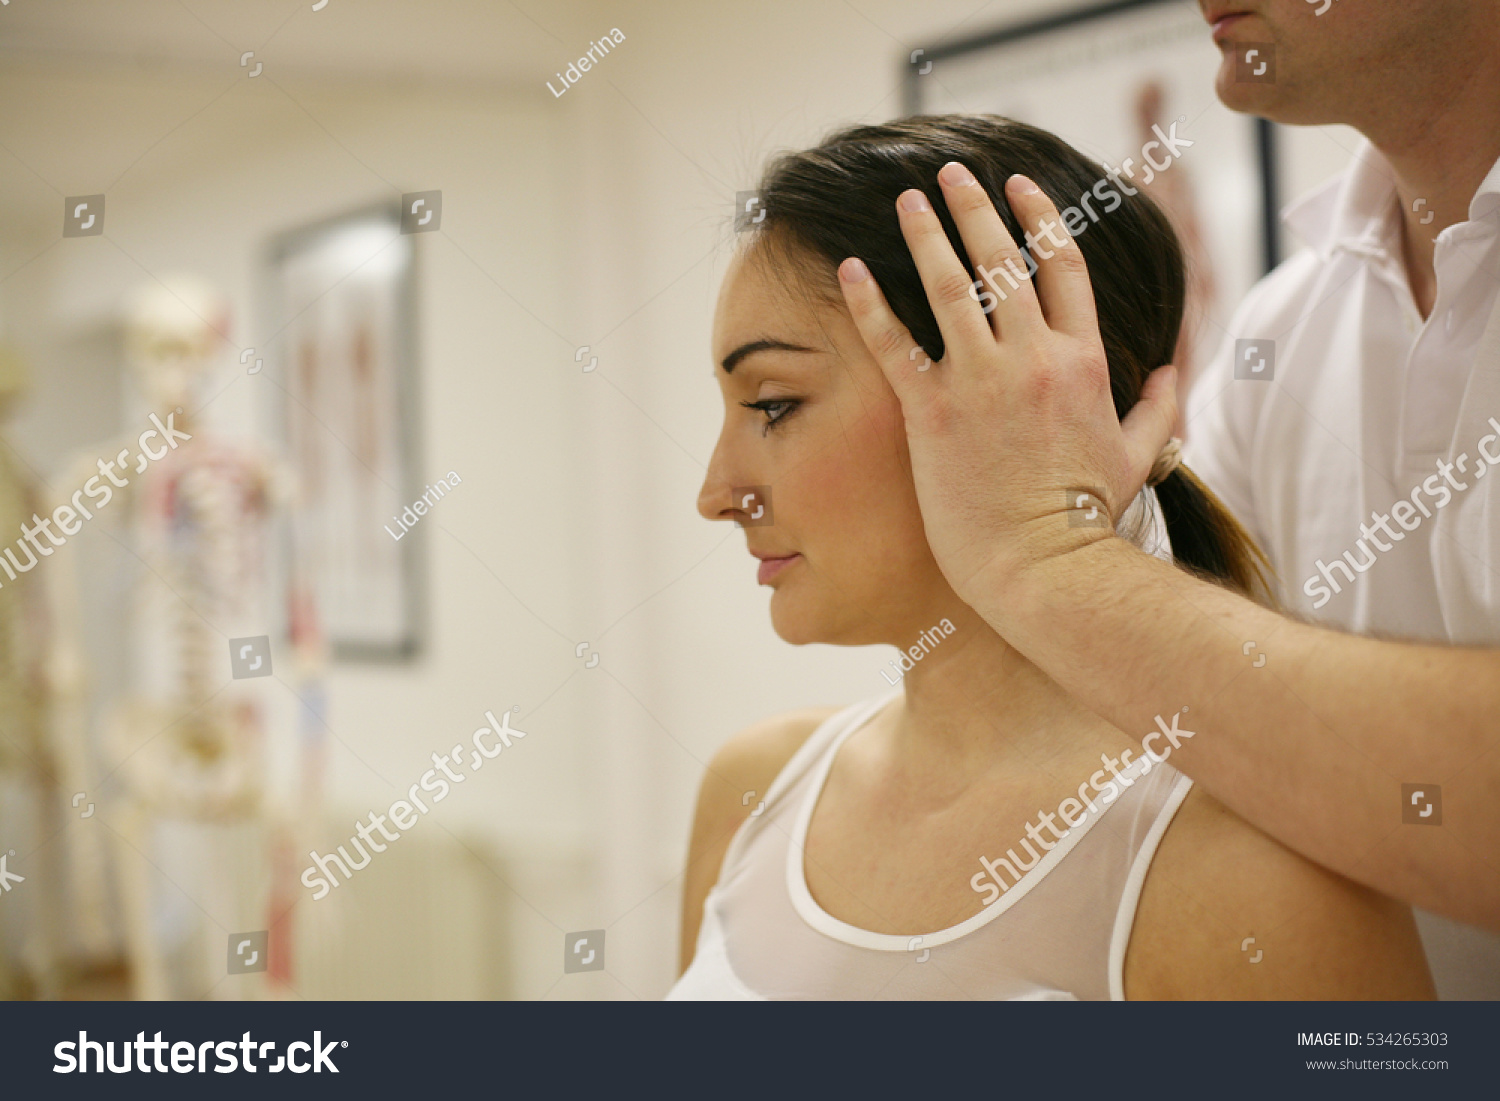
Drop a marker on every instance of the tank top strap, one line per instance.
(819, 741)
(818, 744)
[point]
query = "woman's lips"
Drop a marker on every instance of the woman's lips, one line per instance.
(1224, 22)
(770, 567)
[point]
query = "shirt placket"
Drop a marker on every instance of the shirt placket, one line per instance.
(1422, 438)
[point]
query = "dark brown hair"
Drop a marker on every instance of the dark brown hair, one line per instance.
(838, 200)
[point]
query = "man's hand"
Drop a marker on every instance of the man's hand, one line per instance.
(1016, 420)
(1313, 748)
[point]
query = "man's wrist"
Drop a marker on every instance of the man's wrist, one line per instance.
(1020, 593)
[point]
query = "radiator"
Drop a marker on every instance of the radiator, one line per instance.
(427, 919)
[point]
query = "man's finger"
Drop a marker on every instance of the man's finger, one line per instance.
(900, 357)
(996, 257)
(959, 315)
(1062, 277)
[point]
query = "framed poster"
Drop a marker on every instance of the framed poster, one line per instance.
(342, 296)
(1102, 78)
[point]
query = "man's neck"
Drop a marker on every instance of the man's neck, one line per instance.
(1439, 162)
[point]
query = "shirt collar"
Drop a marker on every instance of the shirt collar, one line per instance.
(1354, 210)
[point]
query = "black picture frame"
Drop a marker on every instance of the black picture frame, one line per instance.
(1266, 146)
(305, 546)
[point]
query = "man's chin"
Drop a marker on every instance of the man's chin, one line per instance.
(1243, 96)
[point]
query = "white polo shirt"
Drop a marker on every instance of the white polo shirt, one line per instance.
(1360, 403)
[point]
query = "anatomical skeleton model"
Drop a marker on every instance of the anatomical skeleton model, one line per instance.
(185, 743)
(26, 754)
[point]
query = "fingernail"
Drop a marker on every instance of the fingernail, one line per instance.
(1022, 185)
(853, 270)
(913, 202)
(955, 175)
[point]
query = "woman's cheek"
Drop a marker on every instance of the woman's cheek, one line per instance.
(872, 479)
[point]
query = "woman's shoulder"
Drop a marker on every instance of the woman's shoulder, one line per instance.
(743, 769)
(751, 759)
(737, 778)
(1227, 911)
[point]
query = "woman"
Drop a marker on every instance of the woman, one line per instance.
(895, 849)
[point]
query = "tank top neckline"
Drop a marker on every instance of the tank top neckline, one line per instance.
(823, 922)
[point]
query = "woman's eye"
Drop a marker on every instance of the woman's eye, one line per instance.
(775, 410)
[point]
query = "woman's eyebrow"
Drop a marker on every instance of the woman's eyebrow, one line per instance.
(734, 357)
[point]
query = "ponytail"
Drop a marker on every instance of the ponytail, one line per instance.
(1209, 541)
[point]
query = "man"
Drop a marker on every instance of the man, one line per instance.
(1360, 422)
(1376, 325)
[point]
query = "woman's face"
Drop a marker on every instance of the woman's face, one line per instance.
(846, 555)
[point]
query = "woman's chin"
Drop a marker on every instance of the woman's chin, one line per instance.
(795, 633)
(794, 624)
(798, 623)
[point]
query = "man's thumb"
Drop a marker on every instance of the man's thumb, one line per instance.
(1148, 425)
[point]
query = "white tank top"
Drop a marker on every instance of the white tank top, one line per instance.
(1059, 933)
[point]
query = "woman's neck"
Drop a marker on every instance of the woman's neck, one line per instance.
(973, 703)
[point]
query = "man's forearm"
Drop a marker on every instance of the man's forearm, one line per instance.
(1307, 733)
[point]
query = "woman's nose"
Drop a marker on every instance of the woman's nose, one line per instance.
(716, 495)
(714, 498)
